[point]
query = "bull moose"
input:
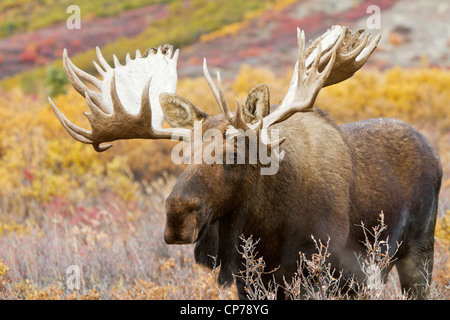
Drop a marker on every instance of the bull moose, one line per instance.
(329, 177)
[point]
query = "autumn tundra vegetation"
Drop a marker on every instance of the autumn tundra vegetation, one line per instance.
(64, 204)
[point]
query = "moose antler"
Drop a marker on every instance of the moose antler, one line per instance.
(338, 53)
(116, 112)
(352, 55)
(351, 50)
(307, 82)
(332, 58)
(127, 104)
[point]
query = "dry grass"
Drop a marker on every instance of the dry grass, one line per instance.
(118, 247)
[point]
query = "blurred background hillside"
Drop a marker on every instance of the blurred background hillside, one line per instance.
(61, 203)
(229, 33)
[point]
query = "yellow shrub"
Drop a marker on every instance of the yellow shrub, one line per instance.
(227, 30)
(39, 160)
(6, 228)
(3, 269)
(419, 96)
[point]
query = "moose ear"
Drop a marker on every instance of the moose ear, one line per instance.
(179, 112)
(257, 103)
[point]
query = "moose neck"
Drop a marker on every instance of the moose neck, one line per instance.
(265, 204)
(260, 194)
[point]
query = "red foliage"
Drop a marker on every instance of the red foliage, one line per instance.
(41, 60)
(85, 215)
(29, 176)
(29, 54)
(49, 41)
(250, 52)
(75, 43)
(58, 206)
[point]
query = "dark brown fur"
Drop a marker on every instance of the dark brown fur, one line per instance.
(331, 179)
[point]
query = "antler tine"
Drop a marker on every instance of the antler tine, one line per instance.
(367, 51)
(223, 100)
(352, 51)
(72, 73)
(96, 113)
(355, 52)
(301, 51)
(81, 73)
(102, 60)
(78, 134)
(219, 96)
(99, 69)
(116, 103)
(326, 55)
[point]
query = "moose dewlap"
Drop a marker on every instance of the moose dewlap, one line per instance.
(329, 178)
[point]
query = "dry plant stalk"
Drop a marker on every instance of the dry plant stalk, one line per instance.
(378, 258)
(255, 287)
(315, 279)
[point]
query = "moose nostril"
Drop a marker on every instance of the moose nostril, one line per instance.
(182, 213)
(181, 229)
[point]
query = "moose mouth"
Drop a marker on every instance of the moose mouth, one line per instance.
(180, 240)
(192, 229)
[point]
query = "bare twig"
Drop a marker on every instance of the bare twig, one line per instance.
(255, 287)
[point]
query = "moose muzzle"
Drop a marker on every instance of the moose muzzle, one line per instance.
(181, 230)
(182, 219)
